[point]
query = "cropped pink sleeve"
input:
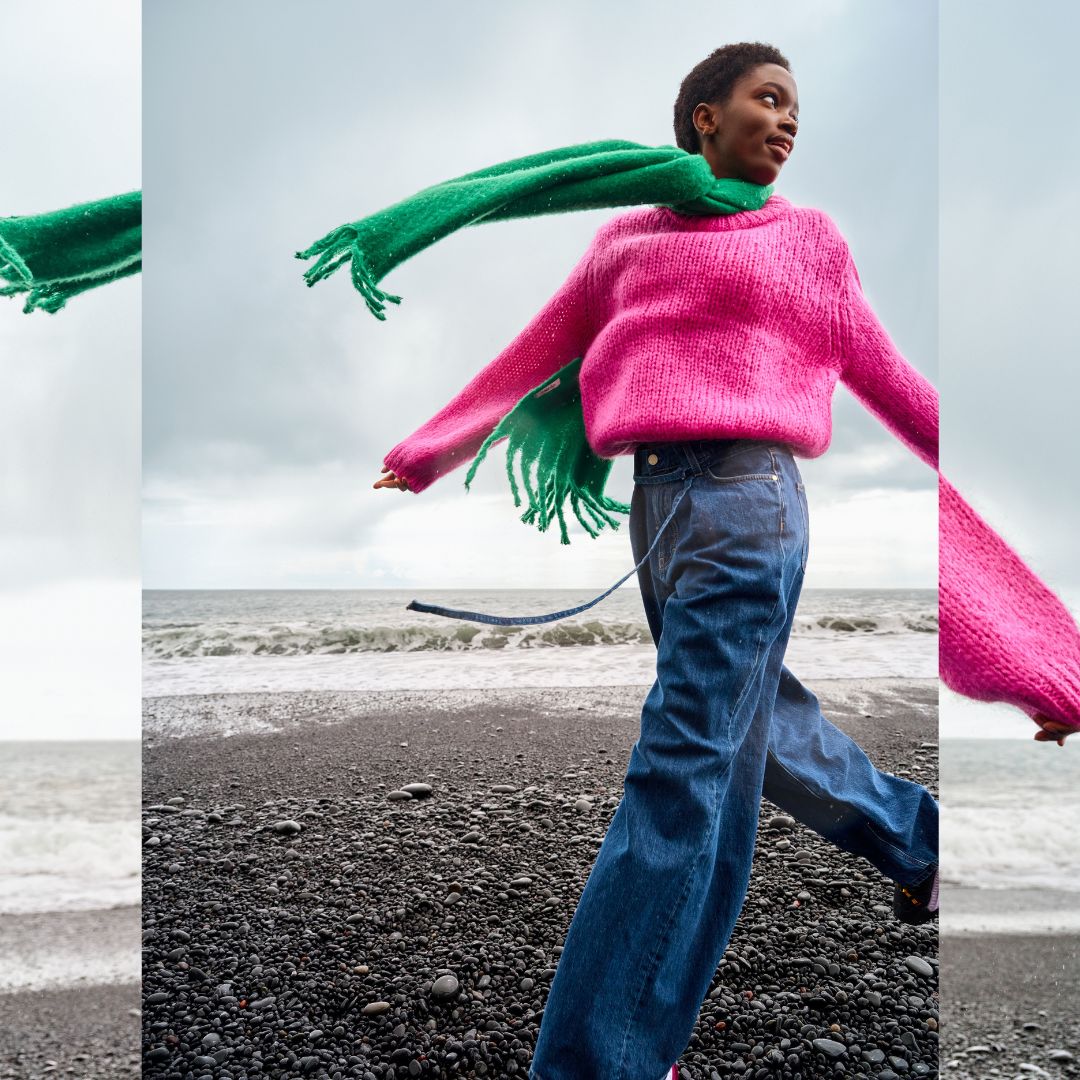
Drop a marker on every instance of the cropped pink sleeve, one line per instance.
(874, 370)
(1004, 635)
(560, 332)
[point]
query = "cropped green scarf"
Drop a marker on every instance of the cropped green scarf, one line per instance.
(545, 428)
(53, 257)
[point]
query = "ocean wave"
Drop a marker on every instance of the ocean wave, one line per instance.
(177, 641)
(1004, 847)
(57, 864)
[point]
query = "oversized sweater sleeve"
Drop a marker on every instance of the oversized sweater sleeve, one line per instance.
(1004, 635)
(560, 332)
(874, 370)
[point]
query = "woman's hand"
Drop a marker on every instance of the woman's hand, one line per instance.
(391, 480)
(1052, 730)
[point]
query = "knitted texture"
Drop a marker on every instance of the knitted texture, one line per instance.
(587, 176)
(1004, 635)
(545, 430)
(52, 257)
(696, 327)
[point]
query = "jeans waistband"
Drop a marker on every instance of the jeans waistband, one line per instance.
(663, 462)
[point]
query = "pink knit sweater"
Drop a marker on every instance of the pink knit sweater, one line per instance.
(741, 325)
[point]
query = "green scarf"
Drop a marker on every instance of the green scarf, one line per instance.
(53, 257)
(545, 428)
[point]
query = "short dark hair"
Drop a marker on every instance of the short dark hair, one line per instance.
(713, 80)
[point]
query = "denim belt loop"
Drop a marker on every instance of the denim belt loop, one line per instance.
(696, 468)
(532, 620)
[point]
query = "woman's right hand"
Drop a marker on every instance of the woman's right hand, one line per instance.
(1052, 730)
(390, 480)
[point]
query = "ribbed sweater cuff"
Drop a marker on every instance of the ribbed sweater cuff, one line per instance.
(397, 460)
(1062, 690)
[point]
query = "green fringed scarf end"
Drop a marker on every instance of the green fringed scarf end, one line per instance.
(342, 246)
(52, 257)
(546, 431)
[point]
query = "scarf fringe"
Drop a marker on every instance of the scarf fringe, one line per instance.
(336, 248)
(12, 266)
(45, 298)
(549, 438)
(51, 296)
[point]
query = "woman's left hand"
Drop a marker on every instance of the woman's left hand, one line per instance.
(391, 480)
(1052, 730)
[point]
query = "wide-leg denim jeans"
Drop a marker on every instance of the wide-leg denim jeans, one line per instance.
(724, 723)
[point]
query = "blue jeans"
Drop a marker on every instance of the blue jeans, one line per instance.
(724, 722)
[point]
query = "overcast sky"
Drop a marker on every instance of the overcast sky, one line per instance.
(69, 413)
(268, 407)
(1010, 383)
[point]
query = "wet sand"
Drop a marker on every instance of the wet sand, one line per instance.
(1009, 1003)
(86, 1032)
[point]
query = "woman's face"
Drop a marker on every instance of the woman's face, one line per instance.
(750, 136)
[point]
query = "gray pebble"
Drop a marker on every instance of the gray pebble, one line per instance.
(919, 966)
(830, 1047)
(445, 986)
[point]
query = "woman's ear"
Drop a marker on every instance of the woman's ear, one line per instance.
(706, 118)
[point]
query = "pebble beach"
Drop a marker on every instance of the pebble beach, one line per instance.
(90, 1031)
(1009, 1005)
(377, 885)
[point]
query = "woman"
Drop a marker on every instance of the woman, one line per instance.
(711, 348)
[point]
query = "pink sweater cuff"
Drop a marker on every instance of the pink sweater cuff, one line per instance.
(398, 462)
(1005, 636)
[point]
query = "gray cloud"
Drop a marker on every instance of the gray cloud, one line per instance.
(1010, 338)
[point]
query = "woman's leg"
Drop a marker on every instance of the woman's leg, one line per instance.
(818, 774)
(671, 875)
(814, 771)
(823, 778)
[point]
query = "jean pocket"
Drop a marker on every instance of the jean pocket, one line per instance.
(800, 488)
(754, 461)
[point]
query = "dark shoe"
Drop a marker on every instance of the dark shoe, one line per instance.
(916, 904)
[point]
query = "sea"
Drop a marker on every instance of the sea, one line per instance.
(221, 641)
(69, 863)
(1010, 853)
(1010, 838)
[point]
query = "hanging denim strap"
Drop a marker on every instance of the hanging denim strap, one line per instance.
(530, 620)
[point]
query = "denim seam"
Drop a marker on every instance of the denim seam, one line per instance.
(798, 779)
(902, 855)
(780, 491)
(665, 552)
(653, 963)
(769, 620)
(930, 868)
(736, 479)
(869, 824)
(800, 488)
